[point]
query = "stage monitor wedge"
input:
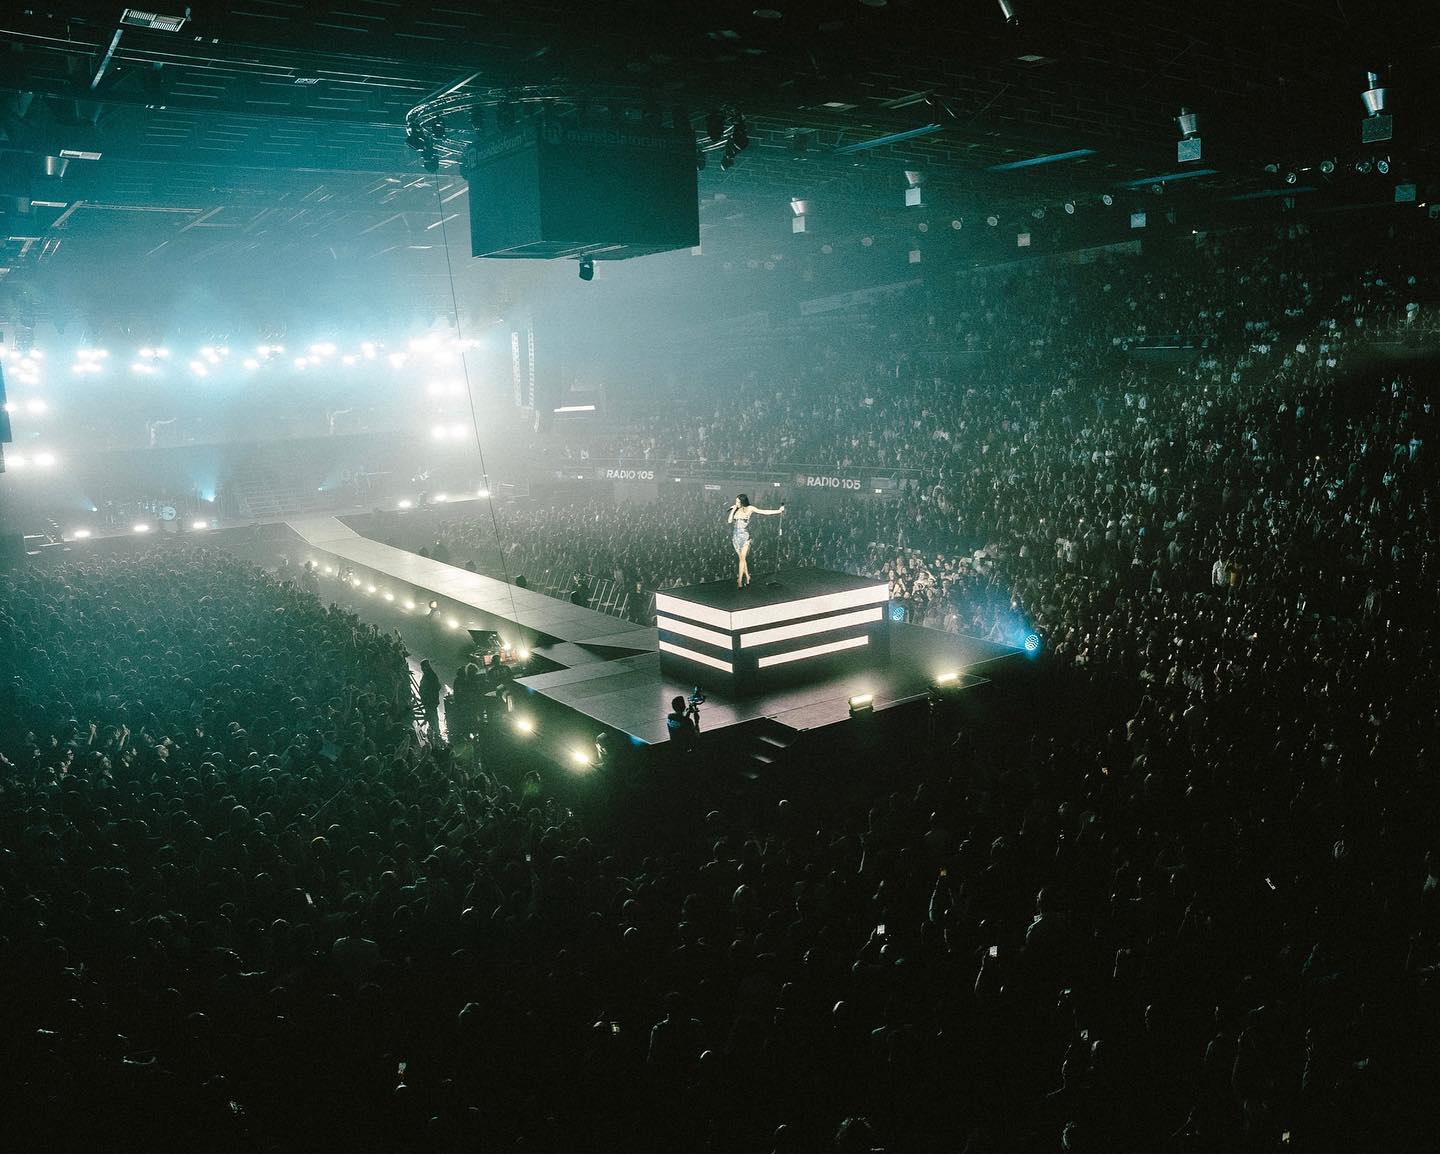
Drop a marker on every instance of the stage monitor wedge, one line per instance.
(553, 189)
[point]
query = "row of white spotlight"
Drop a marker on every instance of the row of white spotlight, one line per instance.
(442, 498)
(150, 360)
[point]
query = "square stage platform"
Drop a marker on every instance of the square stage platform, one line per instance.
(781, 627)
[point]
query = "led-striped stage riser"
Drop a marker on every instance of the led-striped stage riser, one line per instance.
(742, 644)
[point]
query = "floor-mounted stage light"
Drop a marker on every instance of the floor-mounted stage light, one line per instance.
(587, 268)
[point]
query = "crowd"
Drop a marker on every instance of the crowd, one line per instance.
(1190, 904)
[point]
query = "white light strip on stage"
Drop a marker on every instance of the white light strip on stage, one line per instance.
(699, 632)
(807, 628)
(810, 606)
(690, 654)
(769, 614)
(664, 603)
(813, 651)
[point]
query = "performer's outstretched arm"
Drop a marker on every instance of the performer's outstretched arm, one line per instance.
(767, 512)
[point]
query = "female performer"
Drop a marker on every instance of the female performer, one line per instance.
(739, 522)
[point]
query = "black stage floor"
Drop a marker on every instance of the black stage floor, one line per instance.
(633, 696)
(776, 588)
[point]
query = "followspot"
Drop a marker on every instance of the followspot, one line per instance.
(1374, 97)
(587, 268)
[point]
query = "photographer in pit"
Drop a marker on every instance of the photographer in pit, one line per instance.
(683, 722)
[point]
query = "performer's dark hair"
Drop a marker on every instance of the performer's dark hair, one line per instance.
(744, 500)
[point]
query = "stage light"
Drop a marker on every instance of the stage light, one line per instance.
(1364, 165)
(80, 534)
(957, 224)
(44, 460)
(1375, 96)
(1189, 122)
(524, 725)
(452, 623)
(199, 369)
(992, 220)
(458, 431)
(1069, 208)
(408, 605)
(16, 462)
(1007, 10)
(587, 268)
(140, 527)
(146, 353)
(404, 503)
(523, 654)
(862, 703)
(199, 524)
(369, 589)
(1382, 165)
(798, 206)
(330, 569)
(438, 432)
(1032, 643)
(1327, 166)
(579, 759)
(483, 494)
(251, 363)
(35, 408)
(301, 362)
(948, 678)
(1107, 200)
(323, 349)
(162, 353)
(441, 498)
(389, 596)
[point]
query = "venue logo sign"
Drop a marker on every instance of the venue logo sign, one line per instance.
(625, 474)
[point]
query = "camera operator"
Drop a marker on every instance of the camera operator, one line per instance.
(683, 722)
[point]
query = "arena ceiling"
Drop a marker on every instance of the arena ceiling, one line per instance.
(269, 134)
